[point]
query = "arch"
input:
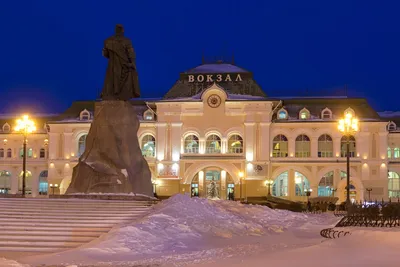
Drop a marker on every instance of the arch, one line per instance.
(280, 146)
(343, 146)
(196, 167)
(353, 171)
(6, 127)
(191, 144)
(234, 131)
(326, 183)
(148, 145)
(392, 126)
(326, 114)
(282, 114)
(304, 114)
(235, 144)
(280, 186)
(84, 115)
(393, 184)
(81, 144)
(191, 132)
(148, 115)
(302, 146)
(43, 183)
(5, 181)
(212, 132)
(325, 146)
(300, 169)
(213, 144)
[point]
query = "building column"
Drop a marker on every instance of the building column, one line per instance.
(35, 182)
(176, 137)
(222, 194)
(14, 181)
(67, 145)
(201, 184)
(314, 146)
(224, 145)
(250, 141)
(336, 146)
(291, 185)
(202, 145)
(53, 145)
(161, 141)
(264, 141)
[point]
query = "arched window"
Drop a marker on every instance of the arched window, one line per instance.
(394, 184)
(213, 144)
(235, 144)
(6, 127)
(9, 153)
(303, 146)
(396, 153)
(30, 153)
(325, 146)
(389, 153)
(392, 126)
(148, 146)
(280, 185)
(343, 175)
(280, 146)
(43, 183)
(148, 115)
(343, 146)
(1, 152)
(81, 144)
(84, 115)
(325, 185)
(302, 184)
(191, 144)
(282, 114)
(5, 182)
(42, 153)
(304, 114)
(326, 114)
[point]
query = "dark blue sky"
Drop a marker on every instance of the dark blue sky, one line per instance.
(51, 50)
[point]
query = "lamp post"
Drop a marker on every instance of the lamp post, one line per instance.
(268, 183)
(53, 186)
(348, 126)
(369, 193)
(24, 126)
(241, 175)
(308, 193)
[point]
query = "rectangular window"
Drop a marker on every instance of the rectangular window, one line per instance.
(42, 154)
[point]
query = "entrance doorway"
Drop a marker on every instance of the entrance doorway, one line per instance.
(213, 183)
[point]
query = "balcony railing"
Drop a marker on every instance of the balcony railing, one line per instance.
(192, 150)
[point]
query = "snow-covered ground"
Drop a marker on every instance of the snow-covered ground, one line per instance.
(184, 231)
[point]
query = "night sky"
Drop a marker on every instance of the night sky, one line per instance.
(51, 50)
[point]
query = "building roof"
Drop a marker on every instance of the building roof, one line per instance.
(241, 83)
(336, 105)
(39, 119)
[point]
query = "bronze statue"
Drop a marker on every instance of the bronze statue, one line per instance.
(121, 82)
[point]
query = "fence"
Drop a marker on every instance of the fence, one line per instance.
(333, 233)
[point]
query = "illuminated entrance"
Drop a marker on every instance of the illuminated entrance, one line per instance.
(213, 183)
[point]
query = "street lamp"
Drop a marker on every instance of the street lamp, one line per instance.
(53, 186)
(369, 193)
(268, 183)
(241, 175)
(308, 193)
(348, 126)
(25, 126)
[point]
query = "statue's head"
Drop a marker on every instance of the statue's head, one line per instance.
(119, 29)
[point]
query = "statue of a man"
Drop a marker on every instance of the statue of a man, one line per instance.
(121, 81)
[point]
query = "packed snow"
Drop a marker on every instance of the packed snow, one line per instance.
(184, 231)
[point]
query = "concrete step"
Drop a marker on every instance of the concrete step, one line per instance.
(59, 224)
(78, 202)
(72, 211)
(31, 233)
(43, 244)
(32, 249)
(73, 214)
(67, 216)
(54, 228)
(63, 221)
(50, 238)
(12, 204)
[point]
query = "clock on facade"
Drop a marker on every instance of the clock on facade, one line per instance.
(214, 101)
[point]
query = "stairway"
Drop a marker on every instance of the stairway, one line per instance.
(53, 225)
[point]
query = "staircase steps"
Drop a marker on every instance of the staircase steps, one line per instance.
(53, 225)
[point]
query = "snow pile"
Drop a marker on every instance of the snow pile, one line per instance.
(185, 224)
(10, 263)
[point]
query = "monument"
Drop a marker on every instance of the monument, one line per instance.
(113, 161)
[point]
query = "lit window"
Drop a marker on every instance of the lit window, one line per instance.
(81, 144)
(325, 185)
(213, 144)
(148, 146)
(148, 116)
(325, 146)
(392, 126)
(235, 144)
(394, 184)
(304, 114)
(280, 146)
(282, 114)
(343, 146)
(192, 144)
(42, 153)
(302, 184)
(303, 146)
(43, 184)
(9, 153)
(280, 185)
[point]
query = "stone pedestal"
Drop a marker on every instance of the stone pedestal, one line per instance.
(112, 161)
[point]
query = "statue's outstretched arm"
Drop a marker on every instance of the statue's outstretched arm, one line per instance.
(105, 53)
